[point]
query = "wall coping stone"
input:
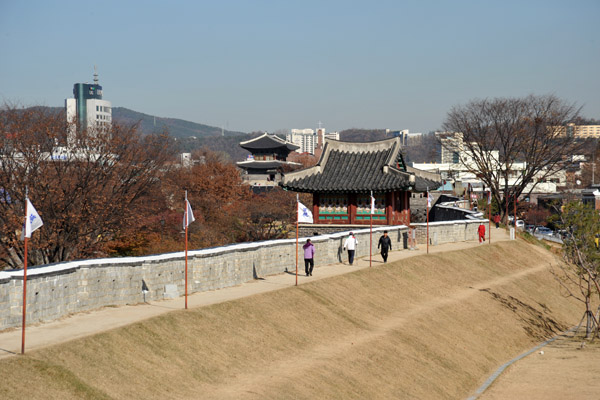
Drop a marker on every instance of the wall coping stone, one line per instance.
(470, 221)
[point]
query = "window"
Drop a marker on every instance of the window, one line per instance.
(455, 157)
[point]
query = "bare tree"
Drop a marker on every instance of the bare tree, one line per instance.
(580, 274)
(85, 189)
(498, 133)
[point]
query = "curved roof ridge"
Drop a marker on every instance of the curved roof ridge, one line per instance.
(376, 145)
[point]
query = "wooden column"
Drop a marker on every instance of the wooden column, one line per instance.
(315, 207)
(389, 201)
(407, 206)
(351, 208)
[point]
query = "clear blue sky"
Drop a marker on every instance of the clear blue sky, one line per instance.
(270, 65)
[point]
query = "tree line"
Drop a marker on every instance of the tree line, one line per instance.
(117, 192)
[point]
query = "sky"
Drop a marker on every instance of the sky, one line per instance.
(276, 65)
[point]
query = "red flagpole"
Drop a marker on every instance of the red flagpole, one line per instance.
(24, 284)
(515, 212)
(427, 221)
(489, 218)
(371, 243)
(296, 247)
(186, 251)
(507, 198)
(371, 235)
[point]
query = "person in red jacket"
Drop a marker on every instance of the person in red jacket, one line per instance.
(497, 220)
(481, 231)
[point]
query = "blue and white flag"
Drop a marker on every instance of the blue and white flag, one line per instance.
(372, 204)
(429, 200)
(32, 221)
(189, 213)
(304, 214)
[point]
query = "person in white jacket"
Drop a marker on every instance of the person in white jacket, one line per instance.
(350, 244)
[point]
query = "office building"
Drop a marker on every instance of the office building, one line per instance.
(87, 111)
(305, 139)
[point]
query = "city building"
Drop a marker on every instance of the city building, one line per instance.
(87, 111)
(459, 168)
(308, 140)
(406, 137)
(266, 161)
(452, 146)
(305, 139)
(580, 131)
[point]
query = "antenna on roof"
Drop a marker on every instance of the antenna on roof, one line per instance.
(95, 75)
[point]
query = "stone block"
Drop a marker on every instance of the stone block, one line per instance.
(171, 292)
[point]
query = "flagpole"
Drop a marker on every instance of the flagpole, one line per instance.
(427, 220)
(515, 213)
(186, 250)
(371, 234)
(490, 217)
(24, 278)
(506, 197)
(297, 219)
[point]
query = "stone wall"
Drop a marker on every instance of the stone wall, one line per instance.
(448, 231)
(54, 291)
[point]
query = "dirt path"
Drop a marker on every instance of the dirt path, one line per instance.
(96, 321)
(297, 364)
(564, 369)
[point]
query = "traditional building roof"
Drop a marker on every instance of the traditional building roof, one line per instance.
(265, 164)
(348, 167)
(268, 142)
(424, 180)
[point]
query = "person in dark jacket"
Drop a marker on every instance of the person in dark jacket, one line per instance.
(309, 255)
(385, 244)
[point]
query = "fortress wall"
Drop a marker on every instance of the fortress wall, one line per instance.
(448, 231)
(57, 290)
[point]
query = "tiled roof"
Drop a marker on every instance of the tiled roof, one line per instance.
(347, 167)
(267, 141)
(266, 164)
(424, 184)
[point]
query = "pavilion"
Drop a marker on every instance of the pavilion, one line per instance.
(267, 160)
(347, 173)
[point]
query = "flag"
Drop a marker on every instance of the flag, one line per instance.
(429, 200)
(190, 215)
(304, 214)
(489, 197)
(32, 221)
(372, 204)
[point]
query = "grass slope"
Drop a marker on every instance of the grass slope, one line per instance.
(426, 327)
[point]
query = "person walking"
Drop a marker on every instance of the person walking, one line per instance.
(309, 257)
(481, 231)
(350, 244)
(497, 220)
(385, 243)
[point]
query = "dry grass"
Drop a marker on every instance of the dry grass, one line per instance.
(427, 327)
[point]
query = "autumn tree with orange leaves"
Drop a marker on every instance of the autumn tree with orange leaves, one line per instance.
(117, 193)
(85, 190)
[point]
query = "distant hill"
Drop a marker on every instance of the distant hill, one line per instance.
(188, 135)
(177, 128)
(362, 135)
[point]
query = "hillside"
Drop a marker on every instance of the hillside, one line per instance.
(432, 326)
(177, 128)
